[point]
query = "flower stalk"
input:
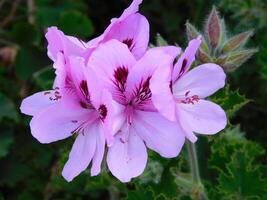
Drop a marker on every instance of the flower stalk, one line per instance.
(199, 190)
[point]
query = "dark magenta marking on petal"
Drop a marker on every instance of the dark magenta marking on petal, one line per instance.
(183, 67)
(84, 88)
(143, 92)
(120, 75)
(128, 42)
(103, 111)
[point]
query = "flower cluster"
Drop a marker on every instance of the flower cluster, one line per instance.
(114, 91)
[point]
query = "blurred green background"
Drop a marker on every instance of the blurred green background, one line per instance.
(233, 163)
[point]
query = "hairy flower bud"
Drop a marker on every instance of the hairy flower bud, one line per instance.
(213, 28)
(237, 41)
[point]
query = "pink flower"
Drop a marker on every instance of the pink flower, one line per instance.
(129, 82)
(131, 28)
(78, 105)
(179, 94)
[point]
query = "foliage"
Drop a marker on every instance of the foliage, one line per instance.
(233, 163)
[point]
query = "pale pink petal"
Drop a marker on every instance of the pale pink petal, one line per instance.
(202, 81)
(161, 135)
(133, 31)
(58, 42)
(173, 51)
(185, 126)
(187, 58)
(37, 102)
(127, 158)
(57, 122)
(162, 98)
(203, 117)
(133, 8)
(59, 65)
(99, 154)
(82, 152)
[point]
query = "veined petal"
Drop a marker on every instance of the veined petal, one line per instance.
(127, 158)
(187, 58)
(203, 117)
(112, 61)
(132, 31)
(144, 69)
(57, 122)
(82, 152)
(202, 81)
(161, 135)
(37, 102)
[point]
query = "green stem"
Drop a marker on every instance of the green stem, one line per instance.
(194, 167)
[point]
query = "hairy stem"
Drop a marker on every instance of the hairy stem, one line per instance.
(199, 192)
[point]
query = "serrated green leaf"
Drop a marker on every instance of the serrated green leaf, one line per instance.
(242, 179)
(231, 101)
(7, 108)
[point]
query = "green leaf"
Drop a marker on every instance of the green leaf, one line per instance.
(139, 193)
(28, 61)
(231, 101)
(7, 108)
(6, 140)
(25, 34)
(76, 23)
(242, 179)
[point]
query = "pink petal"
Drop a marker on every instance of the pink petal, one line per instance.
(203, 81)
(107, 60)
(173, 51)
(203, 117)
(133, 31)
(133, 8)
(57, 122)
(35, 103)
(187, 58)
(127, 158)
(162, 97)
(99, 154)
(82, 152)
(58, 42)
(165, 137)
(145, 67)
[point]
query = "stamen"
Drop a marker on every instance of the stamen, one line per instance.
(190, 100)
